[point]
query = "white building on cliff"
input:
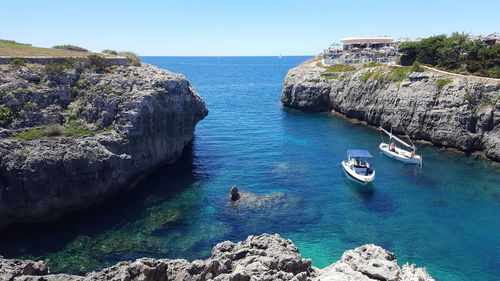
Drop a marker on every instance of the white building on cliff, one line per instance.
(361, 50)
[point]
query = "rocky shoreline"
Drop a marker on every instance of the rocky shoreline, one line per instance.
(263, 257)
(74, 133)
(448, 111)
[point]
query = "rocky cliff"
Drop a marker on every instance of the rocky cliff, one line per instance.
(447, 110)
(264, 257)
(75, 132)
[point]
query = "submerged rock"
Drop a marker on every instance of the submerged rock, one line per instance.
(446, 110)
(252, 201)
(263, 257)
(106, 128)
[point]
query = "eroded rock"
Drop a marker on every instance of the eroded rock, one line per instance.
(130, 120)
(450, 111)
(264, 257)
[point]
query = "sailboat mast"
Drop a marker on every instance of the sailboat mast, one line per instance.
(396, 138)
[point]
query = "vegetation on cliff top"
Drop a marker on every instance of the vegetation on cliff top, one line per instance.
(14, 49)
(133, 58)
(70, 48)
(336, 67)
(108, 51)
(19, 102)
(391, 74)
(455, 53)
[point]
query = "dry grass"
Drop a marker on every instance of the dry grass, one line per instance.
(14, 49)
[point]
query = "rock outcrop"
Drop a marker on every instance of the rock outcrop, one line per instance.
(73, 134)
(447, 110)
(264, 257)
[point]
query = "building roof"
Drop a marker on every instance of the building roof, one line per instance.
(493, 36)
(362, 40)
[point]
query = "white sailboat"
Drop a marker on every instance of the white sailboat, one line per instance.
(391, 150)
(358, 169)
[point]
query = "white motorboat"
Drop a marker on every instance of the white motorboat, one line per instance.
(357, 168)
(394, 152)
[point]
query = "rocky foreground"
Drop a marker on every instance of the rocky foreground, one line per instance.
(264, 257)
(449, 111)
(73, 133)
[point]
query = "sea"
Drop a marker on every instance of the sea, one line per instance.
(444, 216)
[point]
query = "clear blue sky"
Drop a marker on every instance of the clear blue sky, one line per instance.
(233, 27)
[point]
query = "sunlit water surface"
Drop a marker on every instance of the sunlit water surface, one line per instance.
(444, 216)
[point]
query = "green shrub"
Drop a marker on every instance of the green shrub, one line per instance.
(29, 135)
(365, 76)
(53, 130)
(29, 106)
(378, 75)
(79, 86)
(329, 77)
(340, 68)
(372, 64)
(78, 128)
(493, 72)
(468, 97)
(98, 63)
(108, 90)
(455, 53)
(110, 52)
(74, 128)
(416, 67)
(70, 48)
(320, 64)
(398, 74)
(80, 83)
(53, 69)
(133, 59)
(6, 114)
(18, 62)
(75, 90)
(440, 83)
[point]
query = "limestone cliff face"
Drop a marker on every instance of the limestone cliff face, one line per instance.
(73, 136)
(263, 257)
(446, 110)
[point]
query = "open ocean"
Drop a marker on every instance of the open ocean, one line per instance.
(444, 216)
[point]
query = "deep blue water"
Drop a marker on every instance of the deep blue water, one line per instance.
(443, 216)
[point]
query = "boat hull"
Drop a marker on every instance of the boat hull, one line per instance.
(400, 155)
(356, 177)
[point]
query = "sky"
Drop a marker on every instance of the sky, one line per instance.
(233, 27)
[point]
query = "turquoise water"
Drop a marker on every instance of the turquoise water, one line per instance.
(443, 216)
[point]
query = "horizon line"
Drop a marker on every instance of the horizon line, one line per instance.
(220, 56)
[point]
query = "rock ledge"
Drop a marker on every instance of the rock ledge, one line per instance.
(264, 257)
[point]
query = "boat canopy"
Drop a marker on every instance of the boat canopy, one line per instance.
(359, 153)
